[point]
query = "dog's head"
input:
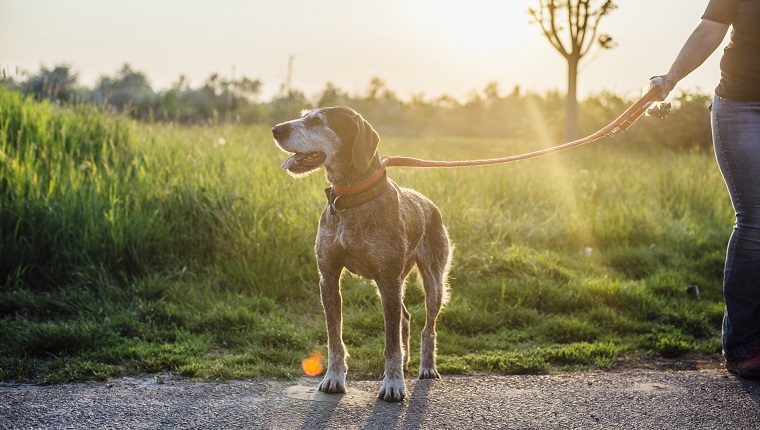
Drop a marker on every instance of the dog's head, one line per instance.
(335, 137)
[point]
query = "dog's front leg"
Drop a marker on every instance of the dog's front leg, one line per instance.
(335, 377)
(393, 389)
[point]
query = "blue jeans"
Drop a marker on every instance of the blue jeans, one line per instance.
(736, 137)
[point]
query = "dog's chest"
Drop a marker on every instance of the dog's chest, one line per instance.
(362, 248)
(342, 234)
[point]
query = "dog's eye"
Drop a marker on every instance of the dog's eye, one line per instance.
(315, 120)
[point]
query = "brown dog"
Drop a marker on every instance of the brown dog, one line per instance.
(373, 228)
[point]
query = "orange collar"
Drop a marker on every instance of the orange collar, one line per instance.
(342, 198)
(363, 185)
(340, 202)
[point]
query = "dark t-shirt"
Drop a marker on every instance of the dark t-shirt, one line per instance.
(740, 65)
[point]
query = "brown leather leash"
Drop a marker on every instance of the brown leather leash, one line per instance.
(621, 124)
(342, 198)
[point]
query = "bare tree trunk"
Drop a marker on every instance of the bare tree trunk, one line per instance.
(571, 100)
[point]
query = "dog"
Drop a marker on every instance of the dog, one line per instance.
(374, 229)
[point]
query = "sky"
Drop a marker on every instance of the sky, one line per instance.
(417, 47)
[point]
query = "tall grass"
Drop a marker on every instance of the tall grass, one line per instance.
(128, 247)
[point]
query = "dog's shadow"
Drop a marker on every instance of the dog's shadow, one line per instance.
(418, 403)
(410, 412)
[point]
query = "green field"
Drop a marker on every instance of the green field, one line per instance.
(129, 247)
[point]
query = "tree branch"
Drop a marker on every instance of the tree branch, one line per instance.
(583, 28)
(557, 41)
(597, 15)
(548, 24)
(582, 20)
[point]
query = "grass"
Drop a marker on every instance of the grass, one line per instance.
(129, 248)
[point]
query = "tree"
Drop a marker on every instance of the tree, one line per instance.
(574, 41)
(58, 84)
(8, 81)
(375, 88)
(128, 91)
(332, 96)
(237, 92)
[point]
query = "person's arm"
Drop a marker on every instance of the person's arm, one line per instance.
(703, 41)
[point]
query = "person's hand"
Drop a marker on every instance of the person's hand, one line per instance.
(665, 83)
(669, 81)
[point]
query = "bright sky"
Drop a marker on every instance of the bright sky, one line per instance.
(415, 46)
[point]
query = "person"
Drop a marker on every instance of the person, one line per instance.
(735, 119)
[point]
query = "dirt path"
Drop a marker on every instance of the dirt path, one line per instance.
(669, 399)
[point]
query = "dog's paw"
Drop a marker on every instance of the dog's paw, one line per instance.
(392, 390)
(429, 373)
(333, 384)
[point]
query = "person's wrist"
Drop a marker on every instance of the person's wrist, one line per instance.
(670, 79)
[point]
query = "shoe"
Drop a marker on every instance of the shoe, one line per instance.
(746, 365)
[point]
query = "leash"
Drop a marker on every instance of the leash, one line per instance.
(619, 125)
(341, 198)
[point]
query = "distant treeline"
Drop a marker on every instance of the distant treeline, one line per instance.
(486, 113)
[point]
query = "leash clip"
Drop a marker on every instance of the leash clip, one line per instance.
(334, 210)
(332, 201)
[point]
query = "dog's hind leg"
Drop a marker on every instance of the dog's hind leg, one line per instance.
(434, 259)
(405, 317)
(335, 376)
(405, 320)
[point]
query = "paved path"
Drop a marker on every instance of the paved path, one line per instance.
(634, 399)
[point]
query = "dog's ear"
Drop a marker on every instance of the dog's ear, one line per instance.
(365, 144)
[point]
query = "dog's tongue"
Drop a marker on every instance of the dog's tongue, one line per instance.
(290, 162)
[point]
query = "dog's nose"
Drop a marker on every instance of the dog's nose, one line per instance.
(278, 131)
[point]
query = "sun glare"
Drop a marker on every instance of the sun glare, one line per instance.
(312, 366)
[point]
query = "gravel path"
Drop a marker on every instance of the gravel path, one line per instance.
(632, 399)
